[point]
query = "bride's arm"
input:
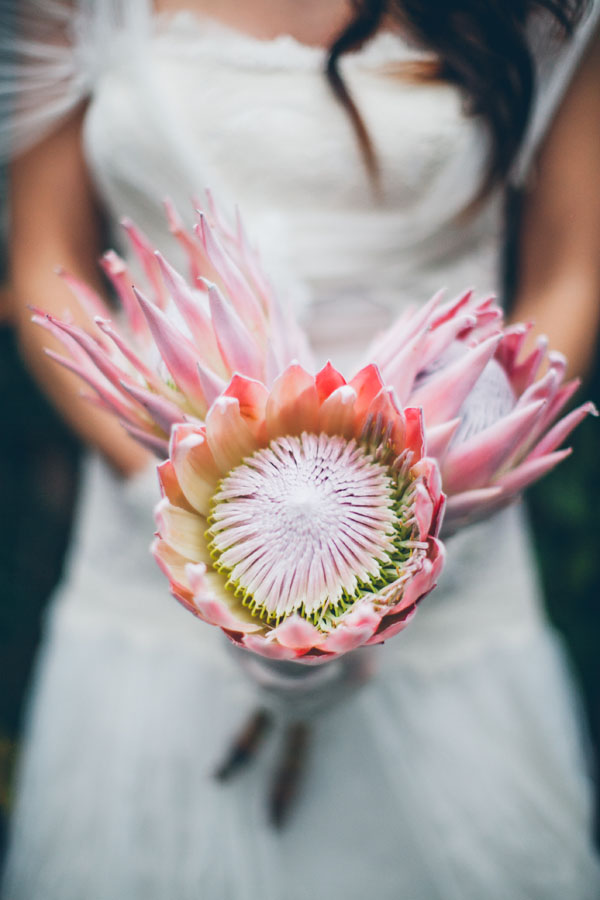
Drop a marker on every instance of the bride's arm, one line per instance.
(558, 283)
(55, 221)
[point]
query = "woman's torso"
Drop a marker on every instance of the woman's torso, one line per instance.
(183, 103)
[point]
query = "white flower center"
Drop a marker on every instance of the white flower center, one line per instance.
(303, 523)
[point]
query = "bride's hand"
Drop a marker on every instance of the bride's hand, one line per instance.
(55, 221)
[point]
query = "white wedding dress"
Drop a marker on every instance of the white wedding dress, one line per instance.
(457, 772)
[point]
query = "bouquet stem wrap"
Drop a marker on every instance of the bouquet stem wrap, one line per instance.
(294, 695)
(293, 691)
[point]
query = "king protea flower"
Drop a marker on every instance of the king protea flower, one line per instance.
(302, 520)
(300, 513)
(490, 418)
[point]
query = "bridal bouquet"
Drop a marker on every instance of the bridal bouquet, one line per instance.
(301, 512)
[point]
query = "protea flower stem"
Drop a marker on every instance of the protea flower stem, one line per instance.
(294, 695)
(246, 744)
(288, 775)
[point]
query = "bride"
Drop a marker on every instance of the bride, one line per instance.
(369, 145)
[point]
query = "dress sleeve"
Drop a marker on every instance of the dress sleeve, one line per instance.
(51, 55)
(556, 64)
(44, 69)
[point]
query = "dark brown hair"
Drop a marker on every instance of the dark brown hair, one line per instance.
(481, 46)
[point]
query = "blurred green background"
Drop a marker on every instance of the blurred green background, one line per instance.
(38, 485)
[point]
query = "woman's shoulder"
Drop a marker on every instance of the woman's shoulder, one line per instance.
(51, 53)
(556, 61)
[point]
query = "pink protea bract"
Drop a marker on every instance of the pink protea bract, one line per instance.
(178, 343)
(301, 520)
(489, 423)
